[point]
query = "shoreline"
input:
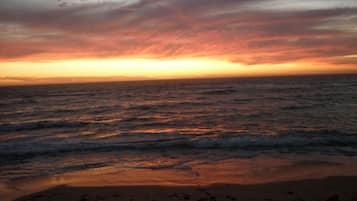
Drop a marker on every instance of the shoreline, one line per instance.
(337, 188)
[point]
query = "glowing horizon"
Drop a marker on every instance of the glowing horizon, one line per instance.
(90, 70)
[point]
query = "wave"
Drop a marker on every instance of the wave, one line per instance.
(218, 92)
(297, 139)
(303, 107)
(82, 167)
(322, 141)
(36, 125)
(167, 105)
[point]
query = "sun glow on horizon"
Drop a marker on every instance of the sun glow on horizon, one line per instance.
(136, 69)
(117, 67)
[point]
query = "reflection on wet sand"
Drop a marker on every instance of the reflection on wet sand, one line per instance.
(327, 189)
(183, 171)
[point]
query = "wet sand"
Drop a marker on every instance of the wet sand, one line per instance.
(327, 189)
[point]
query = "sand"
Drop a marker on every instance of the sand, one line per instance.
(327, 189)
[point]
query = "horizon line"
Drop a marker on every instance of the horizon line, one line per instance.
(41, 81)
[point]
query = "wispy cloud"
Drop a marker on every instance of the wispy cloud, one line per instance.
(244, 31)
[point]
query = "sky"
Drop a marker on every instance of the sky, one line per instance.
(59, 40)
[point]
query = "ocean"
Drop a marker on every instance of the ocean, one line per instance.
(178, 132)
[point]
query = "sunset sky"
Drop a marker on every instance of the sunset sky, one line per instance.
(62, 40)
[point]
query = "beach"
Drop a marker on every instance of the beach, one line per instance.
(326, 189)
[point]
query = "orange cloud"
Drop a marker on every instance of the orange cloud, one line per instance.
(240, 31)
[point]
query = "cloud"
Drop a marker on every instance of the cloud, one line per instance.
(237, 30)
(59, 80)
